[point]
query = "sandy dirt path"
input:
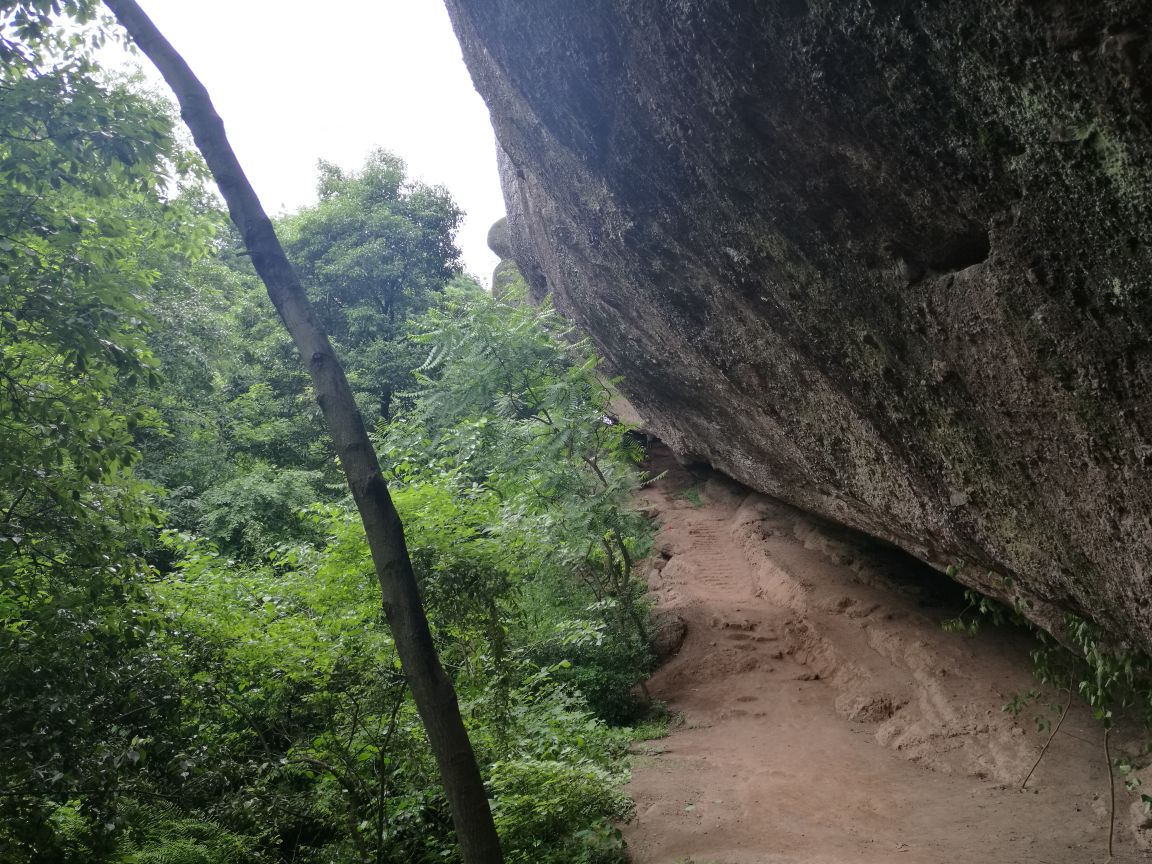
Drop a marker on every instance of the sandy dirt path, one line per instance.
(825, 717)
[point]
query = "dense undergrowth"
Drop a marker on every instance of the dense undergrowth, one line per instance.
(194, 666)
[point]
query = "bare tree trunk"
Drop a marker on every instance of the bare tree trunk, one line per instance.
(433, 693)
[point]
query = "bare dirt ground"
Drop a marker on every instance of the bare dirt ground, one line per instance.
(825, 716)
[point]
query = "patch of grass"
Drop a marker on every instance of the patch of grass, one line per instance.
(652, 729)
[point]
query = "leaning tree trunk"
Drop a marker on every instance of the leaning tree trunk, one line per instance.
(433, 693)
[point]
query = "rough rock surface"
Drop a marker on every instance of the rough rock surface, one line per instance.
(506, 276)
(669, 632)
(887, 260)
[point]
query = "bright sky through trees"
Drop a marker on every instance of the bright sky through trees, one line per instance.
(335, 81)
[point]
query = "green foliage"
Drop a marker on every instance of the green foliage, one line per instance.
(194, 664)
(375, 251)
(252, 512)
(1107, 673)
(604, 664)
(555, 775)
(1114, 679)
(1110, 676)
(89, 206)
(153, 835)
(980, 609)
(239, 409)
(539, 802)
(295, 728)
(296, 651)
(511, 406)
(32, 40)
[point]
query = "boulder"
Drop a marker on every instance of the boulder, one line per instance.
(499, 238)
(886, 260)
(669, 630)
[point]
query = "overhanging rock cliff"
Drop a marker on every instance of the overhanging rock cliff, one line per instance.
(889, 261)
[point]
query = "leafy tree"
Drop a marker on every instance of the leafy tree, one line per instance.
(374, 251)
(304, 734)
(301, 730)
(86, 211)
(240, 446)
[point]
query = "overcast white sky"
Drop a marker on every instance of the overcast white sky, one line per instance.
(299, 81)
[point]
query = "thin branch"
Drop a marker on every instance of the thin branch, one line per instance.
(1111, 793)
(15, 504)
(1048, 743)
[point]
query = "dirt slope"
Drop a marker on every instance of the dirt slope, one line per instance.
(827, 716)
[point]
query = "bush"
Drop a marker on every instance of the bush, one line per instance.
(553, 811)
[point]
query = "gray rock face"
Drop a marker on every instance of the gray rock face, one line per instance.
(887, 260)
(506, 277)
(499, 239)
